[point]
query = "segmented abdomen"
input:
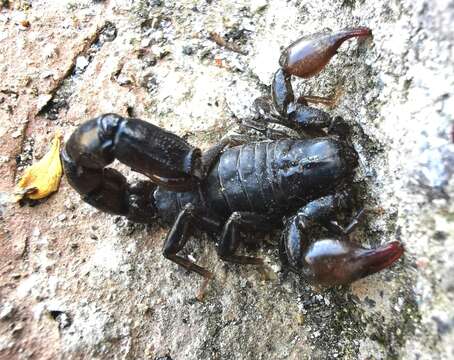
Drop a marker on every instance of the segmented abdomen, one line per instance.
(254, 177)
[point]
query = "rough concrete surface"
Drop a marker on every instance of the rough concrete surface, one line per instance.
(76, 283)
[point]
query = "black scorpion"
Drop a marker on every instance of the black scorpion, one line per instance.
(230, 189)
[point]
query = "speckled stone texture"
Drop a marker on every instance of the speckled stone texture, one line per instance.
(76, 283)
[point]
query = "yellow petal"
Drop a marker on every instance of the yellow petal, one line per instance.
(42, 178)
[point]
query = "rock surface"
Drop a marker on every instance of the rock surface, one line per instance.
(77, 283)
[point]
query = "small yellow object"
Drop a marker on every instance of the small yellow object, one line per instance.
(300, 319)
(42, 178)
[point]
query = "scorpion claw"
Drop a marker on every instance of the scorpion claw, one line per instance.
(331, 262)
(375, 260)
(309, 55)
(304, 58)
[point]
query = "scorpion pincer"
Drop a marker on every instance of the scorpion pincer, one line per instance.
(230, 189)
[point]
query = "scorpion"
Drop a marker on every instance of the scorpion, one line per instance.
(231, 189)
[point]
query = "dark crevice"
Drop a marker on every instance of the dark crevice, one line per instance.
(67, 84)
(9, 92)
(25, 158)
(26, 250)
(63, 318)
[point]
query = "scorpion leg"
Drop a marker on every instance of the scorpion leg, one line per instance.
(331, 261)
(337, 229)
(324, 209)
(177, 238)
(268, 132)
(266, 115)
(304, 58)
(284, 99)
(231, 237)
(302, 119)
(281, 91)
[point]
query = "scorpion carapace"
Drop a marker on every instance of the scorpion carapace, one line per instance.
(230, 189)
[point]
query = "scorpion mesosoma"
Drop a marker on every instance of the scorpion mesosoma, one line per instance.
(227, 189)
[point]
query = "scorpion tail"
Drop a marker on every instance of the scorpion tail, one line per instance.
(84, 158)
(309, 55)
(108, 190)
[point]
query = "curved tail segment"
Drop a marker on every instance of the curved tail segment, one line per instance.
(96, 144)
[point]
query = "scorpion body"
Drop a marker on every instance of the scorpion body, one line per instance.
(230, 188)
(271, 178)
